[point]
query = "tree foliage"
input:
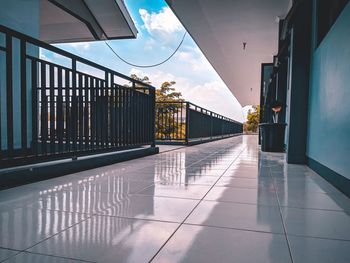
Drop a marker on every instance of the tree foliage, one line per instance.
(169, 122)
(167, 93)
(253, 118)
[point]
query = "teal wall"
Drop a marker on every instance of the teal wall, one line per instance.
(23, 16)
(329, 99)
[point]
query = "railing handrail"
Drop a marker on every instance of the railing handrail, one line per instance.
(201, 110)
(67, 54)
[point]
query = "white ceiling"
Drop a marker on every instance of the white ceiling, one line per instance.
(220, 28)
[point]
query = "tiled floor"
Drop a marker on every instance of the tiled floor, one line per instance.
(218, 202)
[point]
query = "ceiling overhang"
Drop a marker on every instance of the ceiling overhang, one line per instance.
(63, 21)
(221, 27)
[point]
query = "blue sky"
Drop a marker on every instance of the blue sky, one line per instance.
(159, 34)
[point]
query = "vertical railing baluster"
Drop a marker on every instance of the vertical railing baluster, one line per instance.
(68, 114)
(98, 112)
(23, 61)
(52, 107)
(60, 119)
(74, 105)
(80, 112)
(43, 117)
(114, 116)
(153, 122)
(123, 117)
(120, 124)
(187, 123)
(93, 113)
(34, 90)
(86, 112)
(9, 94)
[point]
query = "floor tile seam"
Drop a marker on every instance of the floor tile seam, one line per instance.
(174, 197)
(193, 164)
(223, 169)
(318, 237)
(144, 188)
(184, 184)
(26, 249)
(137, 218)
(241, 177)
(55, 256)
(245, 203)
(172, 150)
(11, 249)
(316, 209)
(91, 191)
(170, 237)
(17, 253)
(242, 203)
(66, 211)
(59, 232)
(199, 201)
(282, 221)
(180, 148)
(242, 187)
(235, 228)
(320, 193)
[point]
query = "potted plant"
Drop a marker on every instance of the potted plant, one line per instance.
(272, 134)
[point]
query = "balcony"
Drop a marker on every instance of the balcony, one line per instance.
(55, 111)
(70, 127)
(186, 123)
(212, 202)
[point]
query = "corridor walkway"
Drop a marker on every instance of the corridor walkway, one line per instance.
(217, 202)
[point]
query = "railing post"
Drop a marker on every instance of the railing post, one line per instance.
(187, 123)
(153, 121)
(9, 93)
(73, 108)
(211, 125)
(23, 96)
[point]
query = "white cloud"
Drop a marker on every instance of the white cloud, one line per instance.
(81, 45)
(43, 56)
(213, 95)
(164, 22)
(196, 60)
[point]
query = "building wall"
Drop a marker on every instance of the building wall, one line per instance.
(329, 99)
(22, 16)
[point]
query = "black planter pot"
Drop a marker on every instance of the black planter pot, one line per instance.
(272, 137)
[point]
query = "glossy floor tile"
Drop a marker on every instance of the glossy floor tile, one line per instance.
(26, 257)
(317, 223)
(224, 201)
(6, 253)
(177, 190)
(301, 185)
(23, 227)
(208, 244)
(315, 250)
(238, 216)
(243, 195)
(152, 207)
(264, 182)
(335, 201)
(109, 239)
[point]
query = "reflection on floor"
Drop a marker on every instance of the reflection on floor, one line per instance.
(217, 202)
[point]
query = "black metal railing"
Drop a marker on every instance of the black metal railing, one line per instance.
(49, 110)
(185, 122)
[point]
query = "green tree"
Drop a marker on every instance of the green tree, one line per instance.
(144, 79)
(170, 111)
(253, 118)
